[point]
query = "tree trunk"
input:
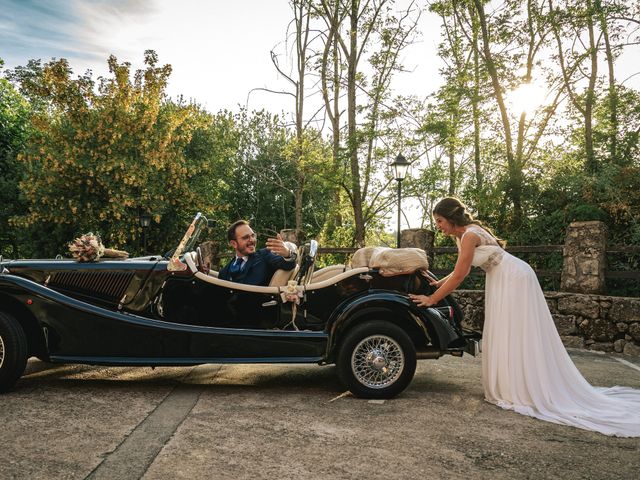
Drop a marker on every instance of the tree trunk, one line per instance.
(474, 104)
(613, 93)
(352, 145)
(331, 54)
(591, 163)
(302, 41)
(514, 190)
(451, 153)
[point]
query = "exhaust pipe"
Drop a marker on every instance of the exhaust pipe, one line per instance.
(428, 355)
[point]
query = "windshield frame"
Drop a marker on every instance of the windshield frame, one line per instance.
(186, 244)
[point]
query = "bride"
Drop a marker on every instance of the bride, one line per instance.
(525, 366)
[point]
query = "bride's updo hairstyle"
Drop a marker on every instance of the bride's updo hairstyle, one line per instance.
(456, 212)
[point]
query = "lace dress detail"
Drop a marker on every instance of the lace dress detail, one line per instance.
(493, 255)
(493, 261)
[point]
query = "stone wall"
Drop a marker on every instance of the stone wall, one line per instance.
(595, 322)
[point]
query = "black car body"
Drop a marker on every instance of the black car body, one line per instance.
(154, 311)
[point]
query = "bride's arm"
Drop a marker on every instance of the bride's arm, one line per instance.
(455, 278)
(440, 282)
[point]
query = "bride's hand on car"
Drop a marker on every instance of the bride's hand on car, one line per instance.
(422, 300)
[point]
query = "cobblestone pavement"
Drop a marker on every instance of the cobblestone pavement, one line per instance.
(263, 421)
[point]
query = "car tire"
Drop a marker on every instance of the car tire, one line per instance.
(13, 351)
(376, 359)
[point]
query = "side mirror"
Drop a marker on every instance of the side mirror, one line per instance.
(313, 248)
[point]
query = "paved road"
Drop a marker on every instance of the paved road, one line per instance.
(282, 422)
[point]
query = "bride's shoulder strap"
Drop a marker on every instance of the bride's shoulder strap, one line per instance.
(485, 237)
(468, 230)
(472, 229)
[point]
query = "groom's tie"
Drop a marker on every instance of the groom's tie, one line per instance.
(237, 265)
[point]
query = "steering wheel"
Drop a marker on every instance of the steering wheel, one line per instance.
(307, 263)
(200, 261)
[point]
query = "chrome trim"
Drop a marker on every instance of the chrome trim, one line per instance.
(474, 347)
(1, 351)
(313, 248)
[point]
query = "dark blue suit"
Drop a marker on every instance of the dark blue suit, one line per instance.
(259, 268)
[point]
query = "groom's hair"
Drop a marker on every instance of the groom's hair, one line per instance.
(231, 232)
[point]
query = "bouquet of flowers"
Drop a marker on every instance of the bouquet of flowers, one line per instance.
(89, 248)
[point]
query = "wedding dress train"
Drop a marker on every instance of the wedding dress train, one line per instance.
(525, 366)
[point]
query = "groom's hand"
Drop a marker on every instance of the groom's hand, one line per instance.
(277, 246)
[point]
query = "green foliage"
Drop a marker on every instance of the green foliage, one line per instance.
(80, 154)
(266, 170)
(14, 131)
(114, 154)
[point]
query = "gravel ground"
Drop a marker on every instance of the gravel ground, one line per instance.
(262, 421)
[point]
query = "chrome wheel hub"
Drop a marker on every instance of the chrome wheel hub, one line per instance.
(377, 361)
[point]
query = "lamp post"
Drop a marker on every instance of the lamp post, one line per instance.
(400, 167)
(145, 221)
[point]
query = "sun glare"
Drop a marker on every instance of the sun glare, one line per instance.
(527, 98)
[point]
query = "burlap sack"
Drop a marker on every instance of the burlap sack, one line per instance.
(391, 261)
(363, 255)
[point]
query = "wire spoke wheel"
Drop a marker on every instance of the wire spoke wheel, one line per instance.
(377, 361)
(1, 351)
(13, 351)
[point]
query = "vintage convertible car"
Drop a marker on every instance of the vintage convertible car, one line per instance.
(159, 311)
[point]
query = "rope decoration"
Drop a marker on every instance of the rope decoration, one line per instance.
(293, 294)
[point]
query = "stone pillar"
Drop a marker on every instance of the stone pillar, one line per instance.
(418, 238)
(584, 258)
(210, 251)
(289, 235)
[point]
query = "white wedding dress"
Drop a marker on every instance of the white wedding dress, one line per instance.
(525, 366)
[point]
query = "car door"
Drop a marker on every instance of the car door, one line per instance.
(195, 302)
(238, 324)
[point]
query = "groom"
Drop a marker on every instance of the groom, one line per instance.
(251, 266)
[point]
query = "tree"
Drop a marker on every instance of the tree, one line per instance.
(97, 159)
(265, 175)
(361, 53)
(14, 131)
(575, 19)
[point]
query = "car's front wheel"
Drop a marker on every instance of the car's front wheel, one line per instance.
(13, 351)
(376, 359)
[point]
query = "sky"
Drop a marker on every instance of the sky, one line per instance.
(219, 49)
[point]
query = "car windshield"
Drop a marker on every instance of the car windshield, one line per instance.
(188, 241)
(200, 222)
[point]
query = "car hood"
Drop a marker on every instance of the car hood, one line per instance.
(106, 281)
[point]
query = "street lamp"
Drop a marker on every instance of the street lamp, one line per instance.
(145, 221)
(400, 167)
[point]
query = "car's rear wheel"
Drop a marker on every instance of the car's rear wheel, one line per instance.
(13, 351)
(376, 360)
